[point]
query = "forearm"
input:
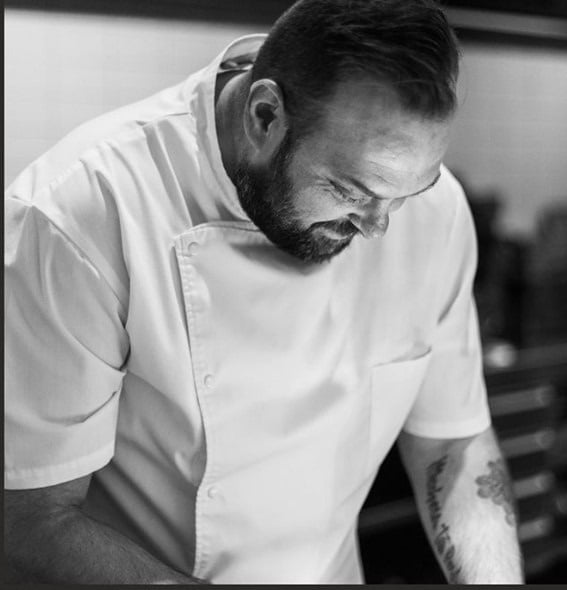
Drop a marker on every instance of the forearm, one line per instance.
(70, 547)
(464, 497)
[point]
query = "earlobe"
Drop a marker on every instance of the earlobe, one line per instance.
(264, 117)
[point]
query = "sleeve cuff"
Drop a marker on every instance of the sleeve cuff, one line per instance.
(457, 429)
(40, 477)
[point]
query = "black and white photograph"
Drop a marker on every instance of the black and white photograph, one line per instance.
(285, 292)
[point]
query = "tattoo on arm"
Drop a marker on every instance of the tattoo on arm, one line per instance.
(442, 540)
(433, 489)
(496, 485)
(446, 549)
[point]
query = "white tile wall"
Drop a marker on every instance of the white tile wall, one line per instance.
(511, 132)
(62, 69)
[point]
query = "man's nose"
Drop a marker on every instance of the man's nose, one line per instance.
(373, 222)
(372, 226)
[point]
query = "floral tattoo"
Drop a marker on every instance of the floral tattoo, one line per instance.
(496, 485)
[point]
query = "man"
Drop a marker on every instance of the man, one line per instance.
(208, 355)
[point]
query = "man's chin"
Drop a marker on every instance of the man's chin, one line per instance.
(316, 251)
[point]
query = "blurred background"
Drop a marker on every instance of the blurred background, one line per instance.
(67, 61)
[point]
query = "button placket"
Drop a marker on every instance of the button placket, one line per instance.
(196, 310)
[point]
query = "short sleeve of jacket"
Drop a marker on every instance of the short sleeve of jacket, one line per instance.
(452, 400)
(65, 349)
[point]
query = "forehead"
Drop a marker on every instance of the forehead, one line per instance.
(363, 131)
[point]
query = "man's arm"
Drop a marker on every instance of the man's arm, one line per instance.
(49, 539)
(464, 497)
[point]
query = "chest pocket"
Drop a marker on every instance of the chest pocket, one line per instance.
(393, 390)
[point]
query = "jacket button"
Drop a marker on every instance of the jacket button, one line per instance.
(209, 381)
(212, 492)
(192, 248)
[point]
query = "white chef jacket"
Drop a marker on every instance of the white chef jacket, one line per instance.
(234, 402)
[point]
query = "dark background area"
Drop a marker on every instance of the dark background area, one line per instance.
(263, 11)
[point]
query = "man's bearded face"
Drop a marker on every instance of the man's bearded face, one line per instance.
(365, 157)
(269, 199)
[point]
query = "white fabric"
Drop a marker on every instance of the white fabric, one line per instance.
(236, 402)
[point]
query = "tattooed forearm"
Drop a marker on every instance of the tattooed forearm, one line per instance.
(496, 485)
(433, 489)
(442, 541)
(446, 550)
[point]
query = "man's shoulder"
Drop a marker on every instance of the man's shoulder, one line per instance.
(448, 189)
(115, 127)
(105, 163)
(445, 205)
(89, 182)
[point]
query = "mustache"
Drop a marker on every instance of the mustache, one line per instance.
(343, 227)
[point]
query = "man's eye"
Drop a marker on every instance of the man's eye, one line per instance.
(343, 193)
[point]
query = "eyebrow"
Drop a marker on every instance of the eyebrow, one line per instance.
(363, 188)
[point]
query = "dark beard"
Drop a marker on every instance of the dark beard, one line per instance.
(266, 197)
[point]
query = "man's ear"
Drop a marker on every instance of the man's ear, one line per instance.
(265, 121)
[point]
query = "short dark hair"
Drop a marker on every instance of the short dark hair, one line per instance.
(406, 44)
